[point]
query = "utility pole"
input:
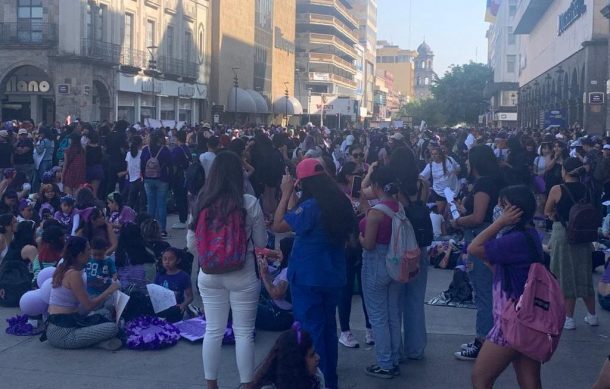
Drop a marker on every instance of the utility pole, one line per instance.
(236, 86)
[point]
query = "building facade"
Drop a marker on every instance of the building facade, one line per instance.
(400, 63)
(104, 59)
(424, 72)
(253, 61)
(563, 64)
(503, 54)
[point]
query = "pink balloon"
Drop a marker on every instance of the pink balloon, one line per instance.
(45, 290)
(44, 275)
(32, 303)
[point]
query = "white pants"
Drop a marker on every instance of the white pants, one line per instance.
(238, 291)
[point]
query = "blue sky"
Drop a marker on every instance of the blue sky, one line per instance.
(454, 29)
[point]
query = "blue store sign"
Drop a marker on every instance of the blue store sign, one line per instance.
(573, 13)
(554, 118)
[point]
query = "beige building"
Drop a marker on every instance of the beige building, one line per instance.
(400, 63)
(104, 59)
(253, 60)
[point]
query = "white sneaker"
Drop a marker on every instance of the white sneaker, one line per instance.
(348, 340)
(369, 339)
(591, 320)
(179, 226)
(569, 324)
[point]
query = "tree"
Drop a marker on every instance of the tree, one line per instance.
(427, 110)
(460, 93)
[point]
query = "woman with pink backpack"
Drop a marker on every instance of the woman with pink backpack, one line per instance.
(509, 246)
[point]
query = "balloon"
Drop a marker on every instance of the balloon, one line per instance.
(32, 303)
(44, 275)
(45, 290)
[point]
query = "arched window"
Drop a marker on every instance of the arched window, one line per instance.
(426, 81)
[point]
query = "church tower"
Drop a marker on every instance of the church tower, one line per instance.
(424, 71)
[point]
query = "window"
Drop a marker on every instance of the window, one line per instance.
(512, 38)
(201, 44)
(150, 33)
(29, 20)
(169, 36)
(426, 81)
(188, 39)
(512, 10)
(511, 63)
(128, 37)
(100, 19)
(423, 65)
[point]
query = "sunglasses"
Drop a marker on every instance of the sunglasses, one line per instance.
(358, 155)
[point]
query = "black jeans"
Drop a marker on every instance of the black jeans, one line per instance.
(353, 268)
(179, 189)
(136, 198)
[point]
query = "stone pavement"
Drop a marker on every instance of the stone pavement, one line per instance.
(25, 363)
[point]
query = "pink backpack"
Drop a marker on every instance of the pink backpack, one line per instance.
(221, 243)
(534, 323)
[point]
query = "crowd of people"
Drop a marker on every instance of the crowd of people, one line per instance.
(285, 222)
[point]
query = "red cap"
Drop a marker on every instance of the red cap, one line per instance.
(309, 167)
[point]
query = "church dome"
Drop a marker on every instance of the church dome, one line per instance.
(424, 49)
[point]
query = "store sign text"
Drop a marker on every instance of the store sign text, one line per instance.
(573, 13)
(21, 86)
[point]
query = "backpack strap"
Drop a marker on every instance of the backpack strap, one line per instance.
(385, 210)
(159, 152)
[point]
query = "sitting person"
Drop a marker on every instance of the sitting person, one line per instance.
(100, 269)
(66, 213)
(95, 225)
(66, 328)
(151, 233)
(292, 363)
(438, 223)
(51, 247)
(119, 213)
(26, 210)
(23, 246)
(274, 311)
(135, 264)
(176, 280)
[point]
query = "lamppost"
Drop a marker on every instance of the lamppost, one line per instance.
(286, 101)
(322, 112)
(235, 85)
(309, 105)
(153, 72)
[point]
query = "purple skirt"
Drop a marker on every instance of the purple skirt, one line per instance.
(95, 173)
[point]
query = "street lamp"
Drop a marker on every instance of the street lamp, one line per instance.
(286, 96)
(236, 85)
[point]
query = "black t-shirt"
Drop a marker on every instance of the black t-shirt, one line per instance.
(489, 185)
(93, 156)
(6, 149)
(577, 190)
(116, 147)
(27, 158)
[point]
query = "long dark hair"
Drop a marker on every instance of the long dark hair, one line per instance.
(24, 235)
(337, 212)
(74, 247)
(483, 160)
(405, 169)
(75, 143)
(52, 235)
(87, 226)
(84, 199)
(224, 188)
(134, 145)
(286, 364)
(6, 219)
(347, 169)
(131, 248)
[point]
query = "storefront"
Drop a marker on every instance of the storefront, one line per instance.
(27, 93)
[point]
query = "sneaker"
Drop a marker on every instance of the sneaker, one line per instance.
(471, 353)
(179, 226)
(569, 324)
(591, 320)
(348, 340)
(396, 371)
(194, 311)
(376, 371)
(466, 346)
(110, 344)
(369, 339)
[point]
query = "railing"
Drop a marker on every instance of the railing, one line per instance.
(101, 51)
(313, 38)
(176, 67)
(134, 58)
(330, 77)
(328, 20)
(27, 34)
(330, 58)
(335, 5)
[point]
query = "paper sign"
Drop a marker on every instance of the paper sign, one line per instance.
(161, 298)
(120, 302)
(449, 195)
(192, 329)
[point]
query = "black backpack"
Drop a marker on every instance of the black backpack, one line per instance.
(15, 280)
(419, 215)
(195, 177)
(584, 220)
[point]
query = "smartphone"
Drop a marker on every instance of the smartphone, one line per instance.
(356, 187)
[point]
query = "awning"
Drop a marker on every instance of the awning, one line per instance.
(290, 107)
(245, 102)
(261, 104)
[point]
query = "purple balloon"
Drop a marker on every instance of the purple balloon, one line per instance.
(44, 275)
(45, 290)
(32, 303)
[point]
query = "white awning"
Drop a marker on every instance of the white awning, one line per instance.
(287, 105)
(261, 104)
(245, 102)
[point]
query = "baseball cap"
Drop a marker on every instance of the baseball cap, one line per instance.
(206, 125)
(309, 167)
(349, 140)
(576, 143)
(22, 131)
(397, 136)
(606, 147)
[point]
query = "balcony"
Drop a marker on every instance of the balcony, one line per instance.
(28, 35)
(334, 6)
(327, 78)
(100, 51)
(329, 59)
(173, 68)
(328, 21)
(133, 59)
(310, 40)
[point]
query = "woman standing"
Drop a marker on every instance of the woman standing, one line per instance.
(441, 173)
(135, 184)
(238, 290)
(552, 170)
(155, 166)
(94, 162)
(571, 263)
(44, 152)
(322, 220)
(74, 169)
(476, 215)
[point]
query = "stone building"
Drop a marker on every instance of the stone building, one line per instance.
(424, 71)
(104, 59)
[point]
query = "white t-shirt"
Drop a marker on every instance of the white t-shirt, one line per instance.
(133, 166)
(282, 277)
(206, 160)
(437, 223)
(539, 165)
(441, 180)
(470, 140)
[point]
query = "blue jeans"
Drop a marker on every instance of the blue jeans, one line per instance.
(481, 278)
(414, 315)
(156, 196)
(382, 298)
(315, 307)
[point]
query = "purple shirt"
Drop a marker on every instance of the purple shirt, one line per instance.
(512, 256)
(117, 219)
(165, 161)
(178, 283)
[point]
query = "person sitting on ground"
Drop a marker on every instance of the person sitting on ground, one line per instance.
(176, 280)
(51, 247)
(135, 264)
(95, 225)
(100, 269)
(438, 223)
(119, 213)
(151, 234)
(66, 328)
(23, 247)
(66, 212)
(26, 210)
(292, 363)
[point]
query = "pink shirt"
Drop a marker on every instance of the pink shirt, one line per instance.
(384, 232)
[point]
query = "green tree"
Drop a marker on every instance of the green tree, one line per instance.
(427, 110)
(460, 93)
